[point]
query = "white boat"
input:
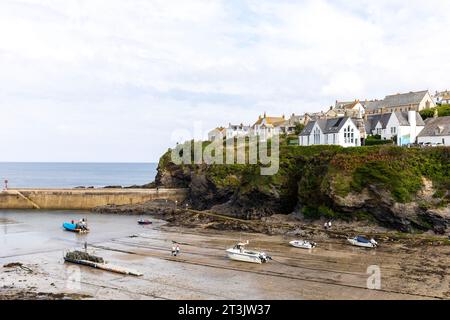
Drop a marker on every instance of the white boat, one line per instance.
(363, 242)
(303, 244)
(239, 253)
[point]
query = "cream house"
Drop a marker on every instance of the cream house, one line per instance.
(288, 126)
(442, 97)
(237, 130)
(266, 127)
(217, 133)
(346, 109)
(341, 131)
(411, 101)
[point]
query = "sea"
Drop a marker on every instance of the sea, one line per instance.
(72, 175)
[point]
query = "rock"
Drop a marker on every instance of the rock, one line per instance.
(13, 265)
(304, 188)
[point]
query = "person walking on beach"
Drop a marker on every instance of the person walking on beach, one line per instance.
(6, 185)
(177, 250)
(174, 251)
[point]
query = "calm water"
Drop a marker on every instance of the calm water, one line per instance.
(27, 231)
(70, 175)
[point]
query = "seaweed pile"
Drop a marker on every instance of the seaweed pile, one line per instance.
(80, 255)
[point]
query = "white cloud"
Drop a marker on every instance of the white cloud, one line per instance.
(115, 78)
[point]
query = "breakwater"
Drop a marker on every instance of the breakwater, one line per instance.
(83, 199)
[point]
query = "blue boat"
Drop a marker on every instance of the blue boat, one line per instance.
(75, 227)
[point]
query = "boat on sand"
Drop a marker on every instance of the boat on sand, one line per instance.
(239, 253)
(302, 244)
(144, 222)
(360, 241)
(78, 226)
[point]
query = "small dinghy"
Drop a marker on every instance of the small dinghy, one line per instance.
(239, 253)
(144, 222)
(360, 241)
(303, 244)
(78, 227)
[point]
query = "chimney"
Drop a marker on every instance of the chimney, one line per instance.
(413, 124)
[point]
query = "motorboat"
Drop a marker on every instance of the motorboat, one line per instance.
(144, 222)
(360, 241)
(239, 253)
(303, 244)
(78, 227)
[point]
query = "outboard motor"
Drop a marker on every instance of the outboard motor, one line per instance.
(372, 241)
(264, 258)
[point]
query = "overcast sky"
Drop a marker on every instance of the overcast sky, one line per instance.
(110, 80)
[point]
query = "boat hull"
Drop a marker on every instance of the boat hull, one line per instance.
(302, 244)
(243, 257)
(361, 244)
(145, 223)
(73, 228)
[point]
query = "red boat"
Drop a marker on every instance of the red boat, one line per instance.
(144, 222)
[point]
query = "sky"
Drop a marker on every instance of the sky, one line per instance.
(114, 80)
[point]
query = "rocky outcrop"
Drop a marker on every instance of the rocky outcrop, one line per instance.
(308, 186)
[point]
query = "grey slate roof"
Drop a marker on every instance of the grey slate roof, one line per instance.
(308, 129)
(326, 125)
(404, 121)
(372, 121)
(374, 105)
(436, 127)
(404, 99)
(396, 100)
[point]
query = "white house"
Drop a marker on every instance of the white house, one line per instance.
(442, 97)
(266, 127)
(237, 130)
(217, 133)
(341, 131)
(346, 109)
(288, 126)
(436, 131)
(404, 127)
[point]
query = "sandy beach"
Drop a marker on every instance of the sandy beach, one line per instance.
(334, 270)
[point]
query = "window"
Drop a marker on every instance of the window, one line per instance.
(316, 136)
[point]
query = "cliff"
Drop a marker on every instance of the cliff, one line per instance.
(401, 188)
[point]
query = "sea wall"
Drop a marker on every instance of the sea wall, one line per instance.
(83, 199)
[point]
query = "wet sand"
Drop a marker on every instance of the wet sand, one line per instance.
(334, 270)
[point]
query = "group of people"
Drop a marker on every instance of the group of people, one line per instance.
(82, 224)
(327, 225)
(175, 250)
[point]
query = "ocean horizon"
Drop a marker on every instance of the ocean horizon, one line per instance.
(76, 174)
